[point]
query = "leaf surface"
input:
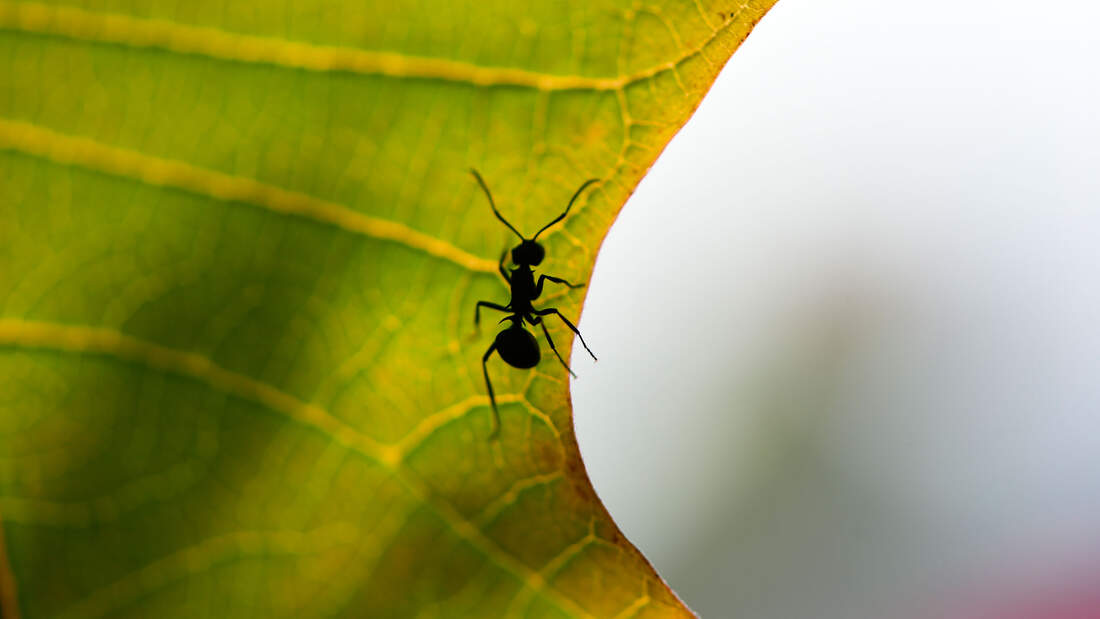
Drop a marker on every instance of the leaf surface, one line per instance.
(239, 255)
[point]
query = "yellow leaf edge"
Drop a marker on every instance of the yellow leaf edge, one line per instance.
(575, 469)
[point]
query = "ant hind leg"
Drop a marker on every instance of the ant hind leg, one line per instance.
(535, 320)
(572, 327)
(489, 385)
(480, 304)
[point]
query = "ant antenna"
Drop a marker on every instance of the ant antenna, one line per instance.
(569, 206)
(485, 187)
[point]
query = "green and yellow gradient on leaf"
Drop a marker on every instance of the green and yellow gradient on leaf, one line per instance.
(239, 255)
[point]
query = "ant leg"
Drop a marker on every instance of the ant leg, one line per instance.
(553, 310)
(477, 310)
(558, 280)
(535, 320)
(492, 400)
(500, 266)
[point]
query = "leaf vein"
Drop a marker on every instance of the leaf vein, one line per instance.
(203, 556)
(86, 153)
(119, 29)
(635, 607)
(433, 423)
(110, 342)
(490, 512)
(523, 598)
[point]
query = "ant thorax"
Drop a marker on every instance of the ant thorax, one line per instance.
(523, 288)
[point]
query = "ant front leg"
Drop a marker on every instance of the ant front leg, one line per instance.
(480, 304)
(556, 280)
(535, 320)
(488, 385)
(572, 327)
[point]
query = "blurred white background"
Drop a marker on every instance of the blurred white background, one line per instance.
(849, 324)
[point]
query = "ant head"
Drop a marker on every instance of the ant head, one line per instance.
(529, 252)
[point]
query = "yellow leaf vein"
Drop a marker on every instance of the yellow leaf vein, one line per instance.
(509, 498)
(203, 556)
(109, 342)
(78, 151)
(520, 602)
(114, 28)
(634, 608)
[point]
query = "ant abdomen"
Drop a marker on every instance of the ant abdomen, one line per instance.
(518, 347)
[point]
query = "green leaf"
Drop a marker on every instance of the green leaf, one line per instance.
(239, 255)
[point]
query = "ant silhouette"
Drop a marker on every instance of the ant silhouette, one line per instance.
(515, 344)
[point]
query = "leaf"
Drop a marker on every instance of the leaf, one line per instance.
(239, 255)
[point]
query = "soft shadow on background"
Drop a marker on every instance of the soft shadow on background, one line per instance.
(847, 325)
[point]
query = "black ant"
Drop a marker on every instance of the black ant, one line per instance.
(515, 344)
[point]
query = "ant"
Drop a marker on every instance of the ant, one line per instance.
(515, 344)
